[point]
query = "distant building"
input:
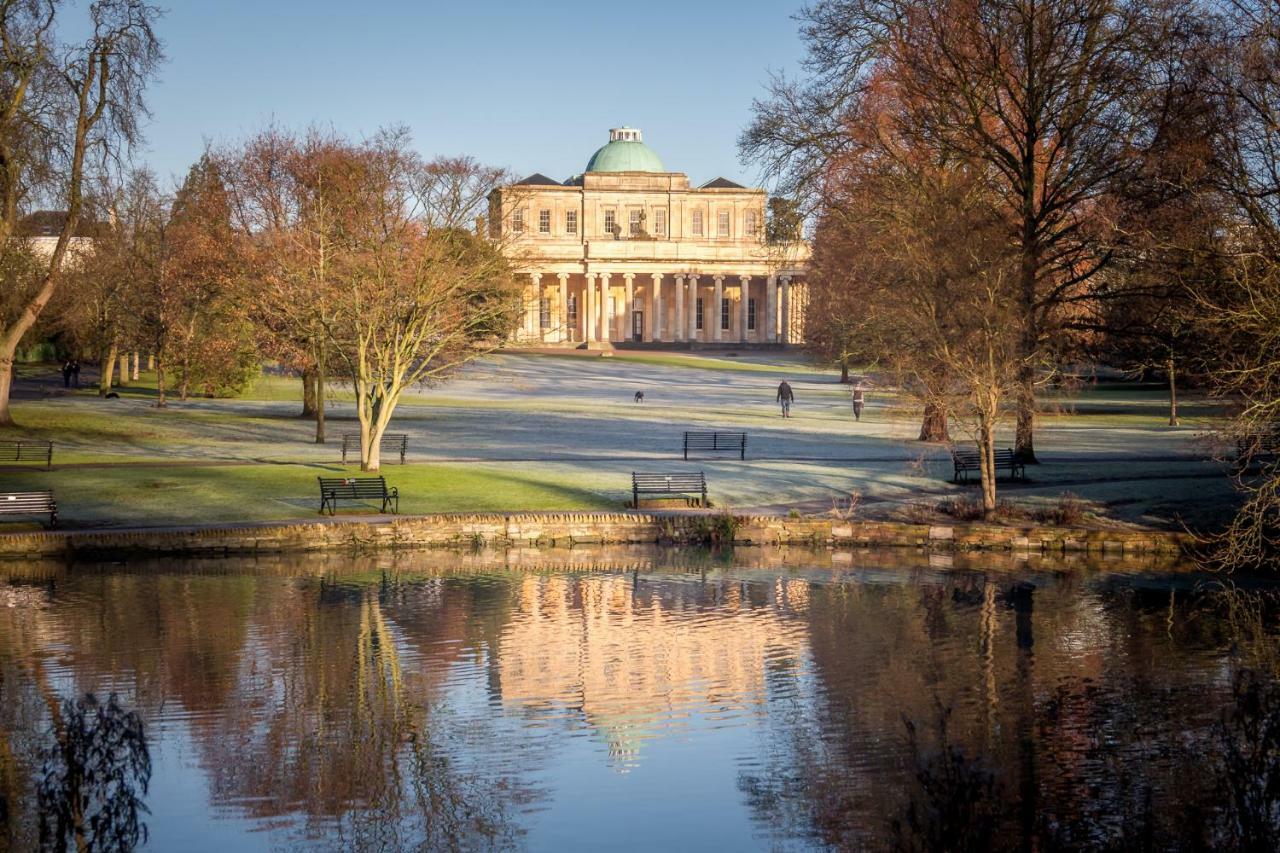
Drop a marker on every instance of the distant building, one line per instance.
(43, 227)
(629, 252)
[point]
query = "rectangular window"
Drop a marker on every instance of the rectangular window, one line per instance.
(517, 220)
(697, 223)
(610, 222)
(722, 223)
(724, 314)
(752, 223)
(573, 310)
(544, 312)
(751, 314)
(634, 223)
(698, 313)
(571, 222)
(659, 223)
(544, 222)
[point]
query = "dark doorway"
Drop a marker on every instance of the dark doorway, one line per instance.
(637, 326)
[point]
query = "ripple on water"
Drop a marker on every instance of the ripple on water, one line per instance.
(738, 709)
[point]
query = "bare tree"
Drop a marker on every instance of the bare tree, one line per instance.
(60, 105)
(283, 191)
(917, 245)
(414, 291)
(1050, 95)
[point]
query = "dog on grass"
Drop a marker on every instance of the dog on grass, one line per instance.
(639, 396)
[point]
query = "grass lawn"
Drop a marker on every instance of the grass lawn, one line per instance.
(124, 496)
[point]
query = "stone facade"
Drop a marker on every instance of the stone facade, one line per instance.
(626, 252)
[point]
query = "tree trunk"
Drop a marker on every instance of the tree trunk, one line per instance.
(1173, 393)
(986, 457)
(183, 381)
(844, 371)
(124, 368)
(372, 460)
(161, 402)
(934, 425)
(6, 383)
(308, 393)
(108, 372)
(137, 365)
(1028, 275)
(319, 381)
(151, 361)
(1025, 438)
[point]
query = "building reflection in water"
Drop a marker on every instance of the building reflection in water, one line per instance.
(630, 656)
(375, 707)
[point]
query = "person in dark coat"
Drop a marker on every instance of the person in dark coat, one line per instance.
(786, 397)
(75, 372)
(66, 375)
(858, 393)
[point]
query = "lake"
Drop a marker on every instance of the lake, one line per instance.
(632, 700)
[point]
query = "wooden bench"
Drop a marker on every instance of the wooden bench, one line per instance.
(25, 450)
(687, 485)
(1260, 447)
(396, 442)
(334, 489)
(733, 442)
(29, 503)
(966, 459)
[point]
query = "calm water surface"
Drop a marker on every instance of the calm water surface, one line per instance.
(675, 703)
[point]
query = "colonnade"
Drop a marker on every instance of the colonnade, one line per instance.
(610, 307)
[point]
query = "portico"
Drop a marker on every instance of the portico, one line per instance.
(690, 266)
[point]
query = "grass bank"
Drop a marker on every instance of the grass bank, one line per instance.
(141, 495)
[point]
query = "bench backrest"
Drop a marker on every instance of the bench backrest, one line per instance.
(669, 482)
(23, 449)
(969, 457)
(354, 487)
(715, 439)
(352, 439)
(24, 502)
(1263, 443)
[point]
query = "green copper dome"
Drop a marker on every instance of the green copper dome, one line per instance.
(626, 152)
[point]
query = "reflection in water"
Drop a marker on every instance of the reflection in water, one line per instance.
(673, 701)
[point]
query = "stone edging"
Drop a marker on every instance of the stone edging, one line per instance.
(471, 530)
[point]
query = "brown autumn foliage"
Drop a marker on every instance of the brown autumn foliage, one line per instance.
(1052, 99)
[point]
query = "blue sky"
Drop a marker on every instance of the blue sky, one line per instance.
(531, 86)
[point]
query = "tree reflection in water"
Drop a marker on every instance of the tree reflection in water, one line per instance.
(93, 778)
(393, 706)
(1006, 750)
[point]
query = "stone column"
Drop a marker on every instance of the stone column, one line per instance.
(678, 330)
(742, 309)
(564, 306)
(605, 314)
(589, 315)
(657, 305)
(693, 307)
(785, 302)
(715, 308)
(628, 306)
(771, 309)
(535, 308)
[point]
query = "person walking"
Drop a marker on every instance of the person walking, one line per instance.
(66, 375)
(786, 397)
(75, 372)
(858, 393)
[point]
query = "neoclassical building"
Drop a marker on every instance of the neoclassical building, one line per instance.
(628, 252)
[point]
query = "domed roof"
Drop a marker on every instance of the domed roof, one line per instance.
(626, 152)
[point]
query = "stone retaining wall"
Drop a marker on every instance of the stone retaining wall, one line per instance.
(558, 530)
